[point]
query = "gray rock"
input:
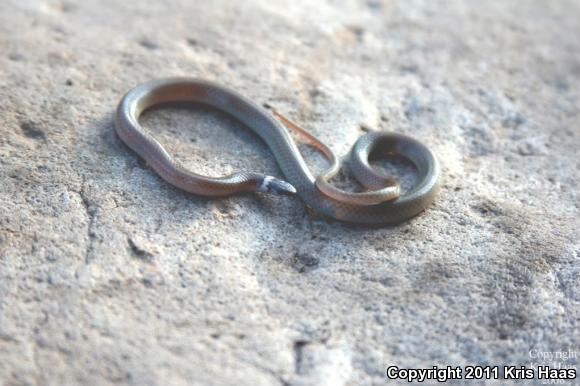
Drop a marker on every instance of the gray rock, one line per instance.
(108, 275)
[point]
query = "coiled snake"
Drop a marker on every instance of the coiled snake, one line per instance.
(382, 203)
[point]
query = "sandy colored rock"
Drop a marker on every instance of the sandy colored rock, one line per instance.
(108, 275)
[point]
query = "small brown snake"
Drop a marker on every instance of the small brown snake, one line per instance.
(382, 203)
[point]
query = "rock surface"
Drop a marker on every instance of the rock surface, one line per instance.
(109, 276)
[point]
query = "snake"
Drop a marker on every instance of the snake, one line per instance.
(381, 200)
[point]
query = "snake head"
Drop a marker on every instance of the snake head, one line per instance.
(276, 186)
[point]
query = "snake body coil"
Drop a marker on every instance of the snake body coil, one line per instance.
(382, 204)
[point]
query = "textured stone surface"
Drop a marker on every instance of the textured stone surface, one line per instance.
(110, 276)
